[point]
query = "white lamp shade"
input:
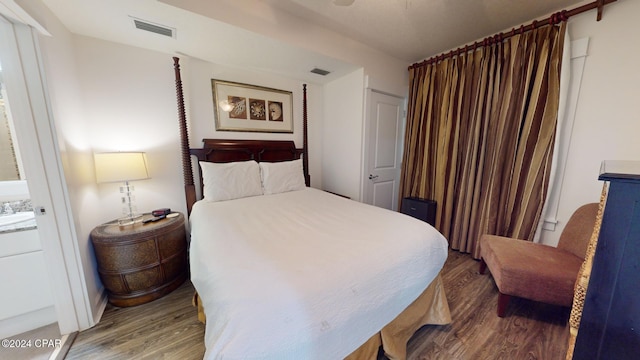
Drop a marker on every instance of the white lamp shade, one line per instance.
(120, 166)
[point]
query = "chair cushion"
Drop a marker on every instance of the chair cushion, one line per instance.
(577, 232)
(532, 271)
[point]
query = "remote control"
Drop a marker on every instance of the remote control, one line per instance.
(153, 219)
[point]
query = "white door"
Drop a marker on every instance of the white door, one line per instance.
(383, 146)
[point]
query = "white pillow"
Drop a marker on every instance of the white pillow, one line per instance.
(279, 177)
(227, 181)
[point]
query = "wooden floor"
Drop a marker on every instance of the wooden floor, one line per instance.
(167, 328)
(529, 330)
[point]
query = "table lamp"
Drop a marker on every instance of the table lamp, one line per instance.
(123, 167)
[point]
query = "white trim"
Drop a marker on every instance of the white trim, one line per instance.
(101, 304)
(563, 141)
(13, 11)
(62, 204)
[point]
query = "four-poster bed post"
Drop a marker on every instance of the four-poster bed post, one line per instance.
(187, 172)
(305, 145)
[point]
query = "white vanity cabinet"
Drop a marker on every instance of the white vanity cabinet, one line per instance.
(26, 302)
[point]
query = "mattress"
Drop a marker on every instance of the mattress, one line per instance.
(305, 274)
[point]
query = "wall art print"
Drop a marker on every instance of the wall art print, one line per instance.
(244, 107)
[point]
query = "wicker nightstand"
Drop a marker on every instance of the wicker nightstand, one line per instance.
(142, 262)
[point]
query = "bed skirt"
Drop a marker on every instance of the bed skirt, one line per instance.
(430, 308)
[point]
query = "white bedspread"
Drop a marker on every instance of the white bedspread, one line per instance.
(305, 274)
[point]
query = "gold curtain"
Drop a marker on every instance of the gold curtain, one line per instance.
(480, 134)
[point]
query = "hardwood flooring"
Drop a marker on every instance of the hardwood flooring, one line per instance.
(167, 328)
(529, 330)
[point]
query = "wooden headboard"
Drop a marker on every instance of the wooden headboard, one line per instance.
(228, 150)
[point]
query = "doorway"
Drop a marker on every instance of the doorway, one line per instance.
(24, 79)
(29, 303)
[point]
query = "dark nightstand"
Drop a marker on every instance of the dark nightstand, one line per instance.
(141, 262)
(422, 209)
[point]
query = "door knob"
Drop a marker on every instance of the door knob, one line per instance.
(372, 177)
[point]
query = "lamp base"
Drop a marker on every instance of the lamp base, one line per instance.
(131, 219)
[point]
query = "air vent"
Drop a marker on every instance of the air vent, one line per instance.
(154, 28)
(320, 72)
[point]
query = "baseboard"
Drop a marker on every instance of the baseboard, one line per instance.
(100, 305)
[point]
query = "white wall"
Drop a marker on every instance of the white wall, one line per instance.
(342, 135)
(129, 99)
(606, 122)
(13, 190)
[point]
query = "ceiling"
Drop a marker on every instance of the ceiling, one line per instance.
(413, 29)
(245, 33)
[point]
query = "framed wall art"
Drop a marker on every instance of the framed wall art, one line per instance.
(244, 107)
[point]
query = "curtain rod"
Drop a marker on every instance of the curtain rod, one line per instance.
(554, 19)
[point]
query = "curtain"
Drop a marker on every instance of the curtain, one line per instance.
(480, 134)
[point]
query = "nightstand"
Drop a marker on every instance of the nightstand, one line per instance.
(422, 209)
(141, 262)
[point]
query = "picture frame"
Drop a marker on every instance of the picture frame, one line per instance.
(245, 107)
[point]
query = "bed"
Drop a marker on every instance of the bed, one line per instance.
(286, 271)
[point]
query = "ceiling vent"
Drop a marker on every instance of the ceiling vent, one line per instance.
(320, 72)
(343, 2)
(154, 28)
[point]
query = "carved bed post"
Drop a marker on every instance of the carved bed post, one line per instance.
(187, 172)
(305, 145)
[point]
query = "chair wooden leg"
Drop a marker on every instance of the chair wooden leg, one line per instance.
(503, 301)
(483, 266)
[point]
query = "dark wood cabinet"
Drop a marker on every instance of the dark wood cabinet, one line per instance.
(610, 325)
(141, 262)
(422, 209)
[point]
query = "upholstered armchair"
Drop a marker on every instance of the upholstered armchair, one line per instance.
(535, 271)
